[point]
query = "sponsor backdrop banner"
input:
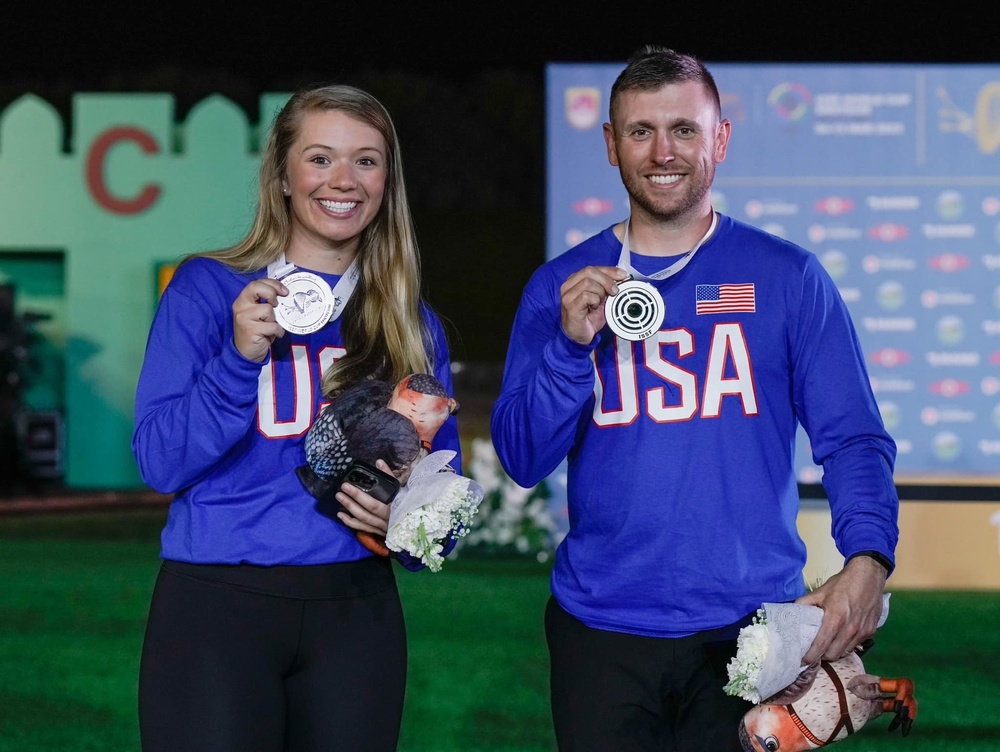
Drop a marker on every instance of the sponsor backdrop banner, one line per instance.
(891, 175)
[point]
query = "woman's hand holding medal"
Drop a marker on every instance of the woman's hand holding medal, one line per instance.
(254, 324)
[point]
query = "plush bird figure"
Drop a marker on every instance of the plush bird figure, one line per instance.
(373, 420)
(829, 701)
(422, 399)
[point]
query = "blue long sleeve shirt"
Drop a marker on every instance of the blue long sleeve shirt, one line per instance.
(224, 434)
(682, 497)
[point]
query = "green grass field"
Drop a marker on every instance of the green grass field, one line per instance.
(76, 589)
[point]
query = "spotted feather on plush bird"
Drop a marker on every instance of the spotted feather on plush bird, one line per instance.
(327, 453)
(373, 420)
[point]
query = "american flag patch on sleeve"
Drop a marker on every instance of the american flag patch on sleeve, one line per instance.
(725, 298)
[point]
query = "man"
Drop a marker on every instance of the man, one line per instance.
(680, 434)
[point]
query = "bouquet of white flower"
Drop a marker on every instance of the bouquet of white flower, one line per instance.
(435, 505)
(769, 650)
(751, 649)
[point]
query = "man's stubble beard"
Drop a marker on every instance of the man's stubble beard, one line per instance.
(691, 200)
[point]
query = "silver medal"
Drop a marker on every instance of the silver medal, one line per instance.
(636, 312)
(308, 306)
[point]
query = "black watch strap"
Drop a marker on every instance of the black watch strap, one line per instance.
(880, 558)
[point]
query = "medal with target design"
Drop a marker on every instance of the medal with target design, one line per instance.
(636, 312)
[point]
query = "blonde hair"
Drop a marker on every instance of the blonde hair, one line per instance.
(384, 332)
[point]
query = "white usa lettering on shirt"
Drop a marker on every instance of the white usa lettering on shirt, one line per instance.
(728, 347)
(302, 392)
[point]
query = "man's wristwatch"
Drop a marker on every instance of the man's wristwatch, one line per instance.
(880, 558)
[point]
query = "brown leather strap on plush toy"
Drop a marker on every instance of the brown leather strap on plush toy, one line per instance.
(802, 727)
(845, 711)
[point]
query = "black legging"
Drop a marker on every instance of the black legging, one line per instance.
(275, 659)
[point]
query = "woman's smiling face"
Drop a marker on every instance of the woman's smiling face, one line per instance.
(335, 179)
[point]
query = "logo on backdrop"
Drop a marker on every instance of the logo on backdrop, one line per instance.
(835, 263)
(889, 357)
(890, 414)
(950, 330)
(950, 387)
(592, 206)
(982, 125)
(947, 446)
(834, 205)
(948, 262)
(888, 232)
(950, 204)
(891, 295)
(583, 104)
(790, 101)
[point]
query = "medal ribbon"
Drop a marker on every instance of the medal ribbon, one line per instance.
(625, 263)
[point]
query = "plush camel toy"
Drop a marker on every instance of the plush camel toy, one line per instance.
(829, 701)
(373, 420)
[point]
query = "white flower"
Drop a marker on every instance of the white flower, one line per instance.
(751, 649)
(512, 518)
(484, 466)
(435, 504)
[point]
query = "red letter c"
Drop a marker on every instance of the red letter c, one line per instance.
(95, 171)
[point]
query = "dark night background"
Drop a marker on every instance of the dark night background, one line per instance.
(465, 87)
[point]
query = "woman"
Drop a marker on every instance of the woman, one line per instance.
(271, 627)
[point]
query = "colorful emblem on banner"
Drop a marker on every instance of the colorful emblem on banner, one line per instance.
(583, 104)
(889, 357)
(592, 206)
(950, 330)
(888, 232)
(950, 387)
(947, 446)
(790, 101)
(948, 262)
(891, 295)
(983, 126)
(834, 205)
